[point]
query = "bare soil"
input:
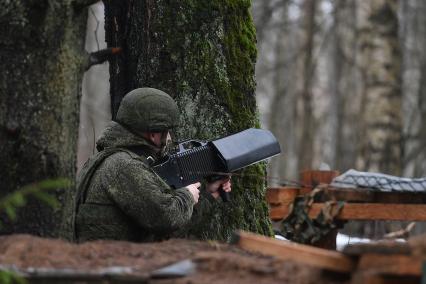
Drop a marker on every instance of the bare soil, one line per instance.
(215, 262)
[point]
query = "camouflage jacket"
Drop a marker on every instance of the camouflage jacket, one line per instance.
(119, 197)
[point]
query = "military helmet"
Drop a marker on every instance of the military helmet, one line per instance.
(148, 110)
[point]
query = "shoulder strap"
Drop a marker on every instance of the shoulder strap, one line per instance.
(86, 176)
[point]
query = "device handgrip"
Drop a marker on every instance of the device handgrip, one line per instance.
(226, 196)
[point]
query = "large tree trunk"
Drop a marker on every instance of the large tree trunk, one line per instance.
(306, 149)
(381, 63)
(202, 53)
(413, 40)
(344, 87)
(351, 86)
(336, 71)
(41, 51)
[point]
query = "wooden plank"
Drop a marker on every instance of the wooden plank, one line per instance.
(364, 211)
(321, 258)
(370, 195)
(278, 195)
(371, 278)
(312, 178)
(281, 195)
(387, 247)
(390, 264)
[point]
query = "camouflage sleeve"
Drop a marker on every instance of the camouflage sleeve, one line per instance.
(145, 197)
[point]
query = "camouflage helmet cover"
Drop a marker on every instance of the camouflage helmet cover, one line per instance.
(148, 110)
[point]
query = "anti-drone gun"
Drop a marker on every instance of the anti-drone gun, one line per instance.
(196, 160)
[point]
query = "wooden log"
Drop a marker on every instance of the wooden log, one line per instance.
(403, 265)
(320, 258)
(387, 247)
(363, 211)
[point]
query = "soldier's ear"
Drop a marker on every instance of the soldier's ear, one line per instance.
(153, 137)
(150, 136)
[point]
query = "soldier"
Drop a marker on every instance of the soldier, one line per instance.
(119, 196)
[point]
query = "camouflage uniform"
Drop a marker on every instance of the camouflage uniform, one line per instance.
(119, 197)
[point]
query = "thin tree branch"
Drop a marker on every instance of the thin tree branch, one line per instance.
(99, 57)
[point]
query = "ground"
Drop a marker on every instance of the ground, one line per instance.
(215, 263)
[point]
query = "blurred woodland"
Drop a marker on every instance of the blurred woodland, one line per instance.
(341, 83)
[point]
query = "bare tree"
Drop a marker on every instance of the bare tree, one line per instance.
(380, 149)
(305, 114)
(413, 39)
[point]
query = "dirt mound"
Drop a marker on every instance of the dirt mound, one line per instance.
(215, 263)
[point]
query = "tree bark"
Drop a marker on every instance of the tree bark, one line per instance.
(306, 149)
(413, 40)
(42, 54)
(337, 97)
(203, 54)
(381, 64)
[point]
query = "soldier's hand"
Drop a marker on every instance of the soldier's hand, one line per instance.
(194, 189)
(214, 187)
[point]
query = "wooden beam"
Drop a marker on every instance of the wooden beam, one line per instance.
(371, 195)
(321, 258)
(363, 211)
(387, 247)
(279, 195)
(390, 264)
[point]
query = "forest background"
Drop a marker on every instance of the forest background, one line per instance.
(339, 83)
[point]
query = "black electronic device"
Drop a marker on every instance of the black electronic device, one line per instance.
(195, 160)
